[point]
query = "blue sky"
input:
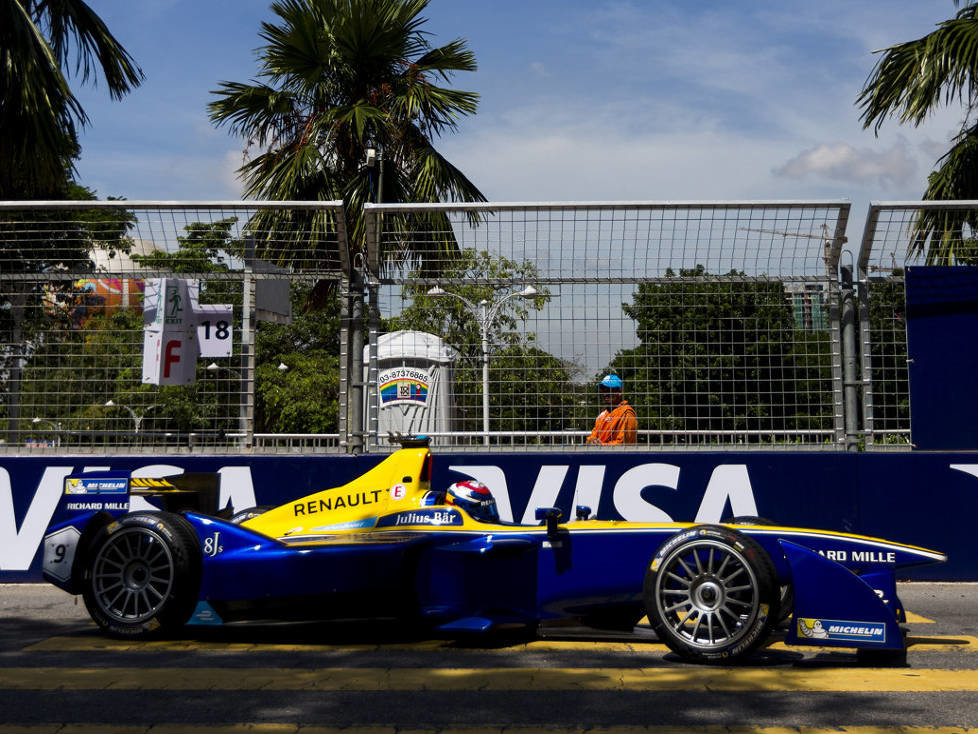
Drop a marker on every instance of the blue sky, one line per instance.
(584, 100)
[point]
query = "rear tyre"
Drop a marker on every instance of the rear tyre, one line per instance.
(711, 594)
(142, 574)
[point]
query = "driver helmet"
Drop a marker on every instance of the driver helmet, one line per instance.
(475, 498)
(611, 382)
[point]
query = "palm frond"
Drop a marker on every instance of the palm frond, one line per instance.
(337, 77)
(912, 79)
(946, 237)
(75, 28)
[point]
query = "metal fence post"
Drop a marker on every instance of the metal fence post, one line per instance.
(372, 223)
(247, 411)
(343, 419)
(850, 377)
(355, 381)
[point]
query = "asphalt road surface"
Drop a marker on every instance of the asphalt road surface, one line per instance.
(58, 674)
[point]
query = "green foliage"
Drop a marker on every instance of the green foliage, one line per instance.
(79, 365)
(722, 353)
(888, 336)
(335, 78)
(304, 398)
(910, 81)
(529, 389)
(40, 44)
(46, 245)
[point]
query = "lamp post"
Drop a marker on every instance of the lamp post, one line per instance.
(56, 426)
(137, 419)
(484, 313)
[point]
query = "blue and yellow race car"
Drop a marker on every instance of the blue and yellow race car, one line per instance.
(387, 544)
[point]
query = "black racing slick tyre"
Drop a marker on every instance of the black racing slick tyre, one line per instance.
(712, 594)
(787, 590)
(142, 575)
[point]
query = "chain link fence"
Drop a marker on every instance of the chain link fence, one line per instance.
(721, 319)
(898, 234)
(73, 277)
(482, 325)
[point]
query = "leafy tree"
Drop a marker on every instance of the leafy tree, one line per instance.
(47, 251)
(301, 399)
(335, 78)
(529, 388)
(304, 398)
(716, 354)
(42, 43)
(888, 337)
(909, 82)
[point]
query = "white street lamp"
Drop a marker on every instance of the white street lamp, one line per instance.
(137, 419)
(485, 313)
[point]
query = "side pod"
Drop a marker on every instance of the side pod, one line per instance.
(836, 608)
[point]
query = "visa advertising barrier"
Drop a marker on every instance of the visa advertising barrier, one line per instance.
(926, 499)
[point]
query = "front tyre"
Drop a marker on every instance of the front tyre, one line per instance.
(142, 574)
(712, 594)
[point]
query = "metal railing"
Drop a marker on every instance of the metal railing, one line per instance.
(721, 317)
(72, 283)
(726, 320)
(898, 234)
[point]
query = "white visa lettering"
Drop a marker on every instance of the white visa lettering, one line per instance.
(18, 547)
(727, 482)
(550, 479)
(628, 491)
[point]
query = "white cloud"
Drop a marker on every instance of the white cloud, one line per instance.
(538, 68)
(233, 160)
(842, 162)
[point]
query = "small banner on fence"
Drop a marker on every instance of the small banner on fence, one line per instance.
(404, 385)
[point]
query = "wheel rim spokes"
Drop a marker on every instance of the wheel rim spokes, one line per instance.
(707, 594)
(132, 575)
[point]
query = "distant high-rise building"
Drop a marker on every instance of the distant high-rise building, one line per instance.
(808, 306)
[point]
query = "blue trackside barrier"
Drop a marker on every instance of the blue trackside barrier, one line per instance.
(927, 499)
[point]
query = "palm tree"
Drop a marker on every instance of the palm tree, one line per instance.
(909, 82)
(336, 78)
(42, 43)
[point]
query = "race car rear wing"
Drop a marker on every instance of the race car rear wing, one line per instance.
(110, 491)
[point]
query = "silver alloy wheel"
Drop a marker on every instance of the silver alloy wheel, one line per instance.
(707, 594)
(132, 575)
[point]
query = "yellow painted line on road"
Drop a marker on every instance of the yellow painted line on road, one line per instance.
(916, 643)
(107, 644)
(917, 619)
(490, 679)
(274, 728)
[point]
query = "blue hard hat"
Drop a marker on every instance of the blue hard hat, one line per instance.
(611, 382)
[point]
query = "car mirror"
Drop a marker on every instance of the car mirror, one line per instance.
(552, 516)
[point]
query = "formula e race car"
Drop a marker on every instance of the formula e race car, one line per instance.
(386, 544)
